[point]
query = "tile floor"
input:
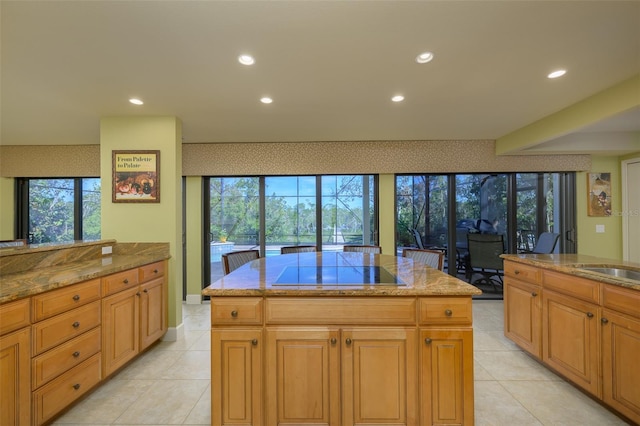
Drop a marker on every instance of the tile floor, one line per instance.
(170, 383)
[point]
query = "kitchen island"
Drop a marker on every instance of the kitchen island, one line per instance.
(579, 316)
(341, 338)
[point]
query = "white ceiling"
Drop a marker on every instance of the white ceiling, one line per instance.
(330, 66)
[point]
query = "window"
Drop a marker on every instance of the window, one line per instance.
(58, 210)
(268, 212)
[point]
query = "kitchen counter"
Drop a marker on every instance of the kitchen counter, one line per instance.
(571, 264)
(34, 269)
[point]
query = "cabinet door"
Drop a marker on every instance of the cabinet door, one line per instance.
(153, 312)
(303, 376)
(446, 377)
(120, 329)
(236, 376)
(621, 375)
(379, 376)
(523, 315)
(15, 381)
(570, 339)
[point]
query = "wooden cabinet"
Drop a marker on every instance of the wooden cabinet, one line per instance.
(523, 307)
(15, 356)
(134, 315)
(620, 349)
(333, 361)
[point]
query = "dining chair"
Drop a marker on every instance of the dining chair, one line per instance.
(484, 258)
(235, 259)
(297, 249)
(363, 249)
(433, 258)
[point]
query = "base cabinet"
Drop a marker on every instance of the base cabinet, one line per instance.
(523, 315)
(15, 378)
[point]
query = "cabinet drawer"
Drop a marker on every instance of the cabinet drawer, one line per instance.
(53, 331)
(522, 272)
(120, 281)
(59, 393)
(57, 301)
(621, 299)
(151, 271)
(14, 315)
(340, 310)
(570, 285)
(445, 310)
(51, 364)
(236, 310)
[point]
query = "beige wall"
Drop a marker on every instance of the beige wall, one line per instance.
(7, 210)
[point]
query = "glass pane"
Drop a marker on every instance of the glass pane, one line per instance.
(348, 215)
(290, 212)
(91, 209)
(51, 210)
(234, 218)
(526, 214)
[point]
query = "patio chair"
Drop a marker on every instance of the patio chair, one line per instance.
(235, 259)
(545, 244)
(363, 249)
(297, 249)
(484, 258)
(433, 258)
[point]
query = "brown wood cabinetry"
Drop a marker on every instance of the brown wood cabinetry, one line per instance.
(15, 356)
(590, 331)
(342, 360)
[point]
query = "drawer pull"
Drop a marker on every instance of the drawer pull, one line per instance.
(428, 340)
(254, 342)
(234, 313)
(155, 271)
(334, 340)
(76, 354)
(589, 315)
(448, 312)
(604, 320)
(145, 290)
(126, 281)
(517, 272)
(348, 341)
(76, 297)
(534, 294)
(76, 324)
(76, 386)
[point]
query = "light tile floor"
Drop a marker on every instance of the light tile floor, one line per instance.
(170, 383)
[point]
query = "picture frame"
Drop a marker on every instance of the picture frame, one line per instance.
(599, 194)
(136, 176)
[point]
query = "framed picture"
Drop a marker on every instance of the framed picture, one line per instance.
(599, 194)
(136, 177)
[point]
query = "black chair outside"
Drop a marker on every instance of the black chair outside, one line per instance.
(363, 249)
(545, 244)
(297, 249)
(235, 259)
(484, 258)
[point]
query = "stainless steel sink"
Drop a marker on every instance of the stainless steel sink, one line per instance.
(616, 272)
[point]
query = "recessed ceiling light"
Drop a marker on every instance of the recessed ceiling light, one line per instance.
(266, 100)
(136, 101)
(557, 73)
(246, 60)
(424, 57)
(398, 98)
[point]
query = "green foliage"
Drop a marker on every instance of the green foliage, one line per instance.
(51, 210)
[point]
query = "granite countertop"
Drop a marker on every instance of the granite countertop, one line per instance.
(571, 264)
(30, 272)
(261, 277)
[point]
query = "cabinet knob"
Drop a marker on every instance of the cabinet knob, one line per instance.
(428, 340)
(448, 312)
(76, 297)
(76, 354)
(76, 386)
(155, 271)
(254, 342)
(589, 314)
(604, 320)
(146, 290)
(76, 324)
(534, 294)
(138, 294)
(126, 281)
(234, 313)
(516, 272)
(348, 341)
(334, 340)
